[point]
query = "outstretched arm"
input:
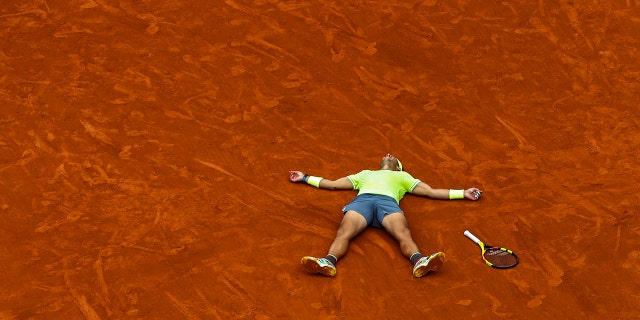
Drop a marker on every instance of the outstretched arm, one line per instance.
(340, 184)
(425, 190)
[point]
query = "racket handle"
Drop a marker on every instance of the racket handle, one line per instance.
(471, 236)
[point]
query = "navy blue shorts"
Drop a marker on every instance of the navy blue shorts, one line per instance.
(373, 207)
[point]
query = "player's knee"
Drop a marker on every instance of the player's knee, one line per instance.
(403, 233)
(345, 231)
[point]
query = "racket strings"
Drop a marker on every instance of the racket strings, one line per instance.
(501, 258)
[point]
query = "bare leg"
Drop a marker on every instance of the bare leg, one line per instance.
(352, 224)
(396, 224)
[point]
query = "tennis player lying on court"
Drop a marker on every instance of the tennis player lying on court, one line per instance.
(377, 205)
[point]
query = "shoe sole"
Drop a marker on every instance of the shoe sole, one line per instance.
(311, 265)
(435, 263)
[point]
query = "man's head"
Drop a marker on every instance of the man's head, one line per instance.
(390, 162)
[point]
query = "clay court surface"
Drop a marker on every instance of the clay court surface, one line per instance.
(145, 145)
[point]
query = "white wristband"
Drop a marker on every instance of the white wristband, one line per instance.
(314, 181)
(456, 194)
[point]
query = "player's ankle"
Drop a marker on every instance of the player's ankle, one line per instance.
(415, 257)
(332, 259)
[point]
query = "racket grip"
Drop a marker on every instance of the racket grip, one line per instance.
(471, 236)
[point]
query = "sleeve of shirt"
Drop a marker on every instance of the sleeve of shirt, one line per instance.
(410, 183)
(355, 179)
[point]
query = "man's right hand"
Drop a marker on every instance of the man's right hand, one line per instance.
(296, 176)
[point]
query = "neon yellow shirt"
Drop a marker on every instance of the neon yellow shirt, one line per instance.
(385, 182)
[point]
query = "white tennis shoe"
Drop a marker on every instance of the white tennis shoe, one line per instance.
(315, 265)
(426, 264)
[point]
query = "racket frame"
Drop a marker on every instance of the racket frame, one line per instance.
(486, 247)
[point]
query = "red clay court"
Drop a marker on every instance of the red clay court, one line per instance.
(145, 149)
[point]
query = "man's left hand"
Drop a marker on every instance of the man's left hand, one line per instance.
(472, 194)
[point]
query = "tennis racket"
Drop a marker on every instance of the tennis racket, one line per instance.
(501, 258)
